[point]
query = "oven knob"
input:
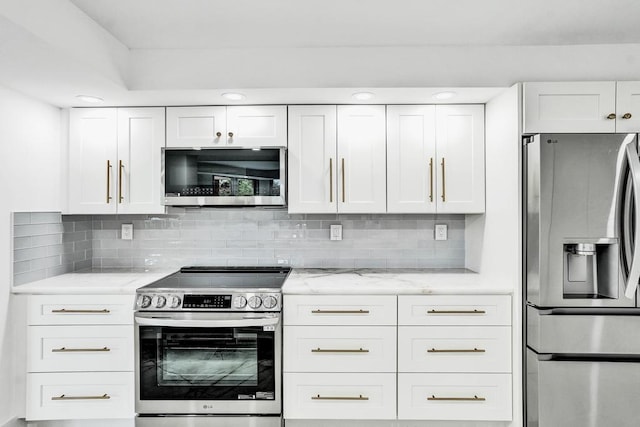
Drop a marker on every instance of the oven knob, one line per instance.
(159, 301)
(239, 302)
(175, 302)
(255, 302)
(270, 302)
(145, 301)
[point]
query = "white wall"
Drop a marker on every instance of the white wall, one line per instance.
(30, 180)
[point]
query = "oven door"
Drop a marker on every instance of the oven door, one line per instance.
(208, 363)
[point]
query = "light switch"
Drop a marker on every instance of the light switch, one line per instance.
(336, 232)
(127, 231)
(441, 232)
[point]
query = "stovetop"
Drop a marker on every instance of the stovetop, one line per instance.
(204, 288)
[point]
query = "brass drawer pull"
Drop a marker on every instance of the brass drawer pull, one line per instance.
(71, 350)
(336, 350)
(109, 182)
(627, 116)
(340, 311)
(456, 312)
(64, 397)
(120, 169)
(318, 397)
(67, 311)
(611, 116)
(458, 399)
(471, 350)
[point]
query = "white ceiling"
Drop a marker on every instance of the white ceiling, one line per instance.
(181, 52)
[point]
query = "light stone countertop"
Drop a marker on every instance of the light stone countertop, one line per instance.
(94, 281)
(390, 282)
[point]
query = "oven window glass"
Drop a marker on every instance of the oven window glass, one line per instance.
(206, 363)
(223, 172)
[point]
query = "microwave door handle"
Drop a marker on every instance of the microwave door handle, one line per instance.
(634, 169)
(208, 323)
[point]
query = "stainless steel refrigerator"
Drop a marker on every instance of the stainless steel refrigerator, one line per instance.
(582, 264)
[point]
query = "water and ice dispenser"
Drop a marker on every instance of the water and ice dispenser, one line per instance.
(591, 269)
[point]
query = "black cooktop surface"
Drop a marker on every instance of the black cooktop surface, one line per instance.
(213, 278)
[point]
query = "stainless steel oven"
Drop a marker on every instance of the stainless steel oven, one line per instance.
(210, 355)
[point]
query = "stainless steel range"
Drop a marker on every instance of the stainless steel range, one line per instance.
(209, 348)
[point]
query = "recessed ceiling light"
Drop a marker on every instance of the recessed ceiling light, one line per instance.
(90, 99)
(443, 95)
(233, 96)
(363, 96)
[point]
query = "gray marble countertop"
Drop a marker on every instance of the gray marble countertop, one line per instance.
(390, 281)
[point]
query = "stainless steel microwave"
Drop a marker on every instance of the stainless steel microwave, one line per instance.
(224, 176)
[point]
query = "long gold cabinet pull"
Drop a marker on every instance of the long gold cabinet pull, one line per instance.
(431, 179)
(458, 399)
(330, 180)
(109, 182)
(78, 350)
(360, 397)
(340, 311)
(120, 169)
(470, 350)
(337, 350)
(444, 185)
(73, 311)
(475, 311)
(65, 397)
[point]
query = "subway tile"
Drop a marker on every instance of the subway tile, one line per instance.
(29, 254)
(60, 269)
(82, 245)
(46, 240)
(242, 244)
(46, 262)
(74, 237)
(30, 230)
(21, 267)
(46, 218)
(21, 218)
(22, 242)
(32, 276)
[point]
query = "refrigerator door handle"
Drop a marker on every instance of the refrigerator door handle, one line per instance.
(634, 169)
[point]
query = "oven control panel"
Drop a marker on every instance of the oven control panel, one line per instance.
(161, 301)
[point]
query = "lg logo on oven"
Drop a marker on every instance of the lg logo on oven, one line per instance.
(207, 406)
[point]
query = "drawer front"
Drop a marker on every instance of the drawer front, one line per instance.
(340, 396)
(454, 349)
(80, 348)
(340, 310)
(80, 395)
(481, 397)
(80, 309)
(454, 310)
(339, 349)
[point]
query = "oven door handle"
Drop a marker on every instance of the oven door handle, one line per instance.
(207, 323)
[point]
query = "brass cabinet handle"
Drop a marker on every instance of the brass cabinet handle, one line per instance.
(218, 134)
(626, 116)
(343, 184)
(340, 311)
(318, 397)
(75, 350)
(65, 397)
(67, 311)
(431, 179)
(611, 116)
(456, 312)
(120, 198)
(330, 180)
(230, 134)
(332, 350)
(109, 182)
(444, 186)
(458, 399)
(472, 350)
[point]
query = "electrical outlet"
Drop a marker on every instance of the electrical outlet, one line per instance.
(441, 232)
(336, 232)
(127, 231)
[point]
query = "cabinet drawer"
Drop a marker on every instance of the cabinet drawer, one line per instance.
(80, 348)
(340, 396)
(80, 395)
(481, 397)
(80, 309)
(454, 349)
(340, 310)
(339, 349)
(454, 310)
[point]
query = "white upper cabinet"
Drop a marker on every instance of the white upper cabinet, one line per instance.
(460, 153)
(115, 160)
(257, 126)
(196, 126)
(312, 159)
(628, 107)
(411, 157)
(566, 107)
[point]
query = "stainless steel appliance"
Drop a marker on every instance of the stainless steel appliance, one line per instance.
(224, 176)
(582, 228)
(209, 348)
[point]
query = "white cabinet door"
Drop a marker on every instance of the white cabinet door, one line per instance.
(411, 156)
(454, 310)
(340, 310)
(257, 126)
(196, 126)
(362, 159)
(140, 142)
(566, 107)
(460, 149)
(628, 107)
(312, 159)
(93, 147)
